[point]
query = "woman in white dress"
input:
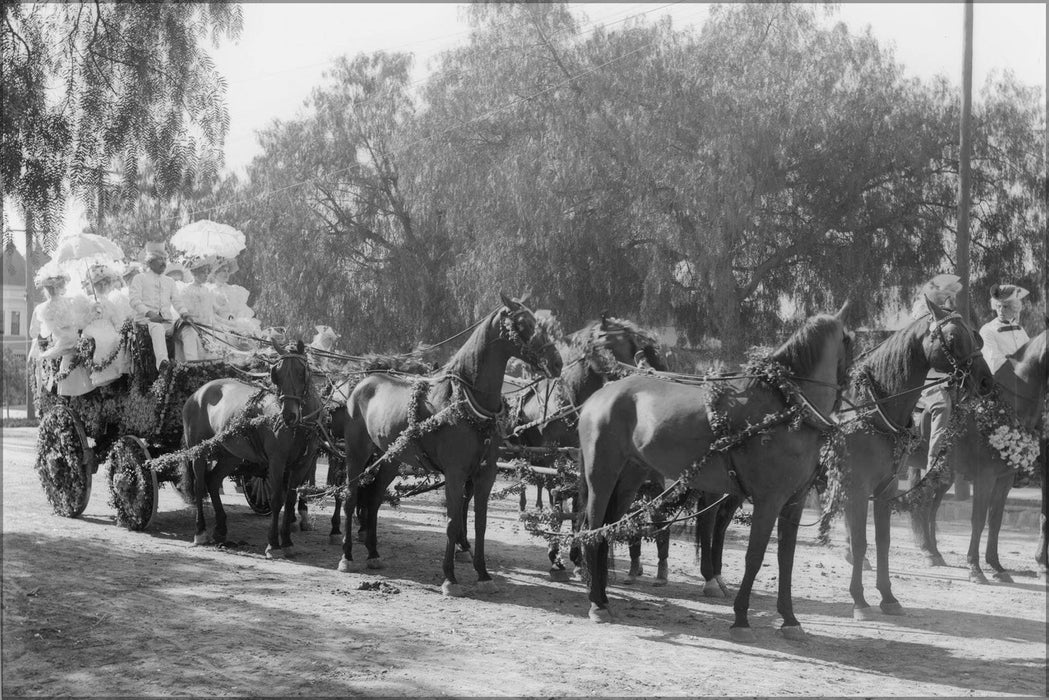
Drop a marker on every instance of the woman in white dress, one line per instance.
(57, 321)
(107, 321)
(231, 302)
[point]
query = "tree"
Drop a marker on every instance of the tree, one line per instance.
(87, 85)
(14, 379)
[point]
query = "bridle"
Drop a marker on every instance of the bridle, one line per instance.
(283, 397)
(961, 367)
(525, 350)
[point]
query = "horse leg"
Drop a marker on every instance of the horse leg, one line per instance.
(662, 554)
(882, 520)
(454, 490)
(981, 497)
(200, 487)
(725, 514)
(705, 526)
(856, 521)
(636, 570)
(789, 519)
(290, 496)
(482, 486)
(463, 545)
(359, 449)
(372, 496)
(335, 536)
(1000, 492)
(277, 497)
(214, 478)
(765, 512)
(932, 555)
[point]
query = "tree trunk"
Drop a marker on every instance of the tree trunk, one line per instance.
(727, 313)
(30, 273)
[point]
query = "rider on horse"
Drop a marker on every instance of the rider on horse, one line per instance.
(1003, 335)
(941, 290)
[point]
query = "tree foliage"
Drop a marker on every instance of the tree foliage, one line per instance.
(717, 180)
(87, 86)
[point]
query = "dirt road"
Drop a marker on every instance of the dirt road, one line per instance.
(90, 608)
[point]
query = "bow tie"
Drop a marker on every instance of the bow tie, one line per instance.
(1009, 327)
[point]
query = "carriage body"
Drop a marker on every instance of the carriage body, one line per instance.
(119, 427)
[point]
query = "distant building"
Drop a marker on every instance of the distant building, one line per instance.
(15, 327)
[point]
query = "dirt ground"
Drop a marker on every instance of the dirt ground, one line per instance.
(92, 609)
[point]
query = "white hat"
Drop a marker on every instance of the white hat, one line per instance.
(49, 275)
(325, 330)
(1001, 293)
(945, 283)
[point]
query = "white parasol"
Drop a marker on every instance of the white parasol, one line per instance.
(84, 249)
(207, 237)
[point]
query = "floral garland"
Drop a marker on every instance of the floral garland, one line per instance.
(998, 423)
(566, 480)
(130, 492)
(60, 462)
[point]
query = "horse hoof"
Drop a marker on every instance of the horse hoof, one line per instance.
(630, 579)
(862, 614)
(274, 553)
(201, 539)
(560, 575)
(935, 560)
(892, 608)
(599, 615)
(660, 581)
(1002, 577)
(978, 577)
(712, 589)
(794, 633)
(487, 587)
(742, 635)
(334, 539)
(451, 590)
(464, 555)
(375, 563)
(289, 551)
(305, 524)
(346, 565)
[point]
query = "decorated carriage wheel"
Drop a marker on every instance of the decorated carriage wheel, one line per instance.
(133, 487)
(256, 493)
(65, 461)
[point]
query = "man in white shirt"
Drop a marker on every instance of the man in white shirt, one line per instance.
(152, 294)
(1003, 335)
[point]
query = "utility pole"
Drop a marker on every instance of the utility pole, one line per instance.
(963, 163)
(961, 487)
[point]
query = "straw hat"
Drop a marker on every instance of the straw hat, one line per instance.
(197, 262)
(154, 249)
(100, 272)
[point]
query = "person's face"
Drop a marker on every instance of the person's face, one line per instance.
(157, 265)
(55, 290)
(103, 286)
(1009, 310)
(221, 275)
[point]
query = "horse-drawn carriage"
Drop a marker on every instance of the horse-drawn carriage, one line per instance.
(123, 425)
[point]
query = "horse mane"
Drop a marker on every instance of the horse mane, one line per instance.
(582, 342)
(802, 351)
(891, 363)
(465, 362)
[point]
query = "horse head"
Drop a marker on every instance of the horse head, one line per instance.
(952, 347)
(629, 344)
(290, 375)
(529, 339)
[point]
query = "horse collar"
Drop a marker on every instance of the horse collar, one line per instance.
(893, 426)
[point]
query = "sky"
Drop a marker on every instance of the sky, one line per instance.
(284, 49)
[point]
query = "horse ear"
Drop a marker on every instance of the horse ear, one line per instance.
(300, 348)
(508, 302)
(937, 312)
(525, 297)
(842, 314)
(276, 346)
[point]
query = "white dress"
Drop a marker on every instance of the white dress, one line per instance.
(105, 328)
(1001, 339)
(61, 319)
